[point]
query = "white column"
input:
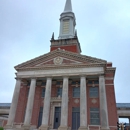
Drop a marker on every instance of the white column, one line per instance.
(30, 101)
(103, 104)
(46, 107)
(83, 104)
(14, 103)
(64, 106)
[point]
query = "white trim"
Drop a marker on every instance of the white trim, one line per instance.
(53, 114)
(109, 84)
(61, 72)
(107, 78)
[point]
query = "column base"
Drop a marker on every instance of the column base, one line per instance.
(83, 128)
(8, 127)
(105, 128)
(26, 127)
(42, 127)
(63, 128)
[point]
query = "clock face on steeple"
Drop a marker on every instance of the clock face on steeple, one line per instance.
(65, 26)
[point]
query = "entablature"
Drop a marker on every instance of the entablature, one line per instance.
(61, 72)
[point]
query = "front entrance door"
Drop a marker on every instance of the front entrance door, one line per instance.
(57, 117)
(75, 118)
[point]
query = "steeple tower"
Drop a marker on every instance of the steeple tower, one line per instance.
(67, 22)
(67, 39)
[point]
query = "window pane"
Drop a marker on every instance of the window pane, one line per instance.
(43, 92)
(43, 83)
(76, 92)
(90, 82)
(59, 92)
(96, 82)
(95, 122)
(94, 109)
(76, 109)
(76, 89)
(93, 92)
(57, 109)
(94, 116)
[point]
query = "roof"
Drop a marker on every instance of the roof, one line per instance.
(123, 105)
(5, 105)
(37, 62)
(118, 105)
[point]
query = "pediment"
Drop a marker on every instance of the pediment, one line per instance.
(59, 58)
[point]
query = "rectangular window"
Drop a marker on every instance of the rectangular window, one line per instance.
(76, 109)
(43, 92)
(93, 92)
(43, 83)
(76, 92)
(94, 116)
(59, 92)
(65, 26)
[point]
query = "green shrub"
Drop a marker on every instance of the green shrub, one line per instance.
(1, 128)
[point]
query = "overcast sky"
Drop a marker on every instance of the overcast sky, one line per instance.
(26, 28)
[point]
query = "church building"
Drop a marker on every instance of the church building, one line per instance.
(63, 89)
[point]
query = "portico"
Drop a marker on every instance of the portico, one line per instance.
(81, 74)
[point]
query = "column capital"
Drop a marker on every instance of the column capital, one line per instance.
(33, 79)
(83, 76)
(65, 77)
(18, 78)
(101, 76)
(49, 78)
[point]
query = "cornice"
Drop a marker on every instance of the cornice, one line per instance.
(61, 67)
(111, 70)
(55, 53)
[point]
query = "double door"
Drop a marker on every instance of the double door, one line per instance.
(57, 117)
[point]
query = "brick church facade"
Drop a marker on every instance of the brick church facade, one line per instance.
(64, 89)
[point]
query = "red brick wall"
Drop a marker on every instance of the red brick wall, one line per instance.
(21, 105)
(111, 101)
(72, 48)
(38, 102)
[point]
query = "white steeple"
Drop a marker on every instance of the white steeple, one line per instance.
(67, 22)
(68, 6)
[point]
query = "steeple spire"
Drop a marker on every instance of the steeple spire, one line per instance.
(67, 39)
(67, 22)
(68, 6)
